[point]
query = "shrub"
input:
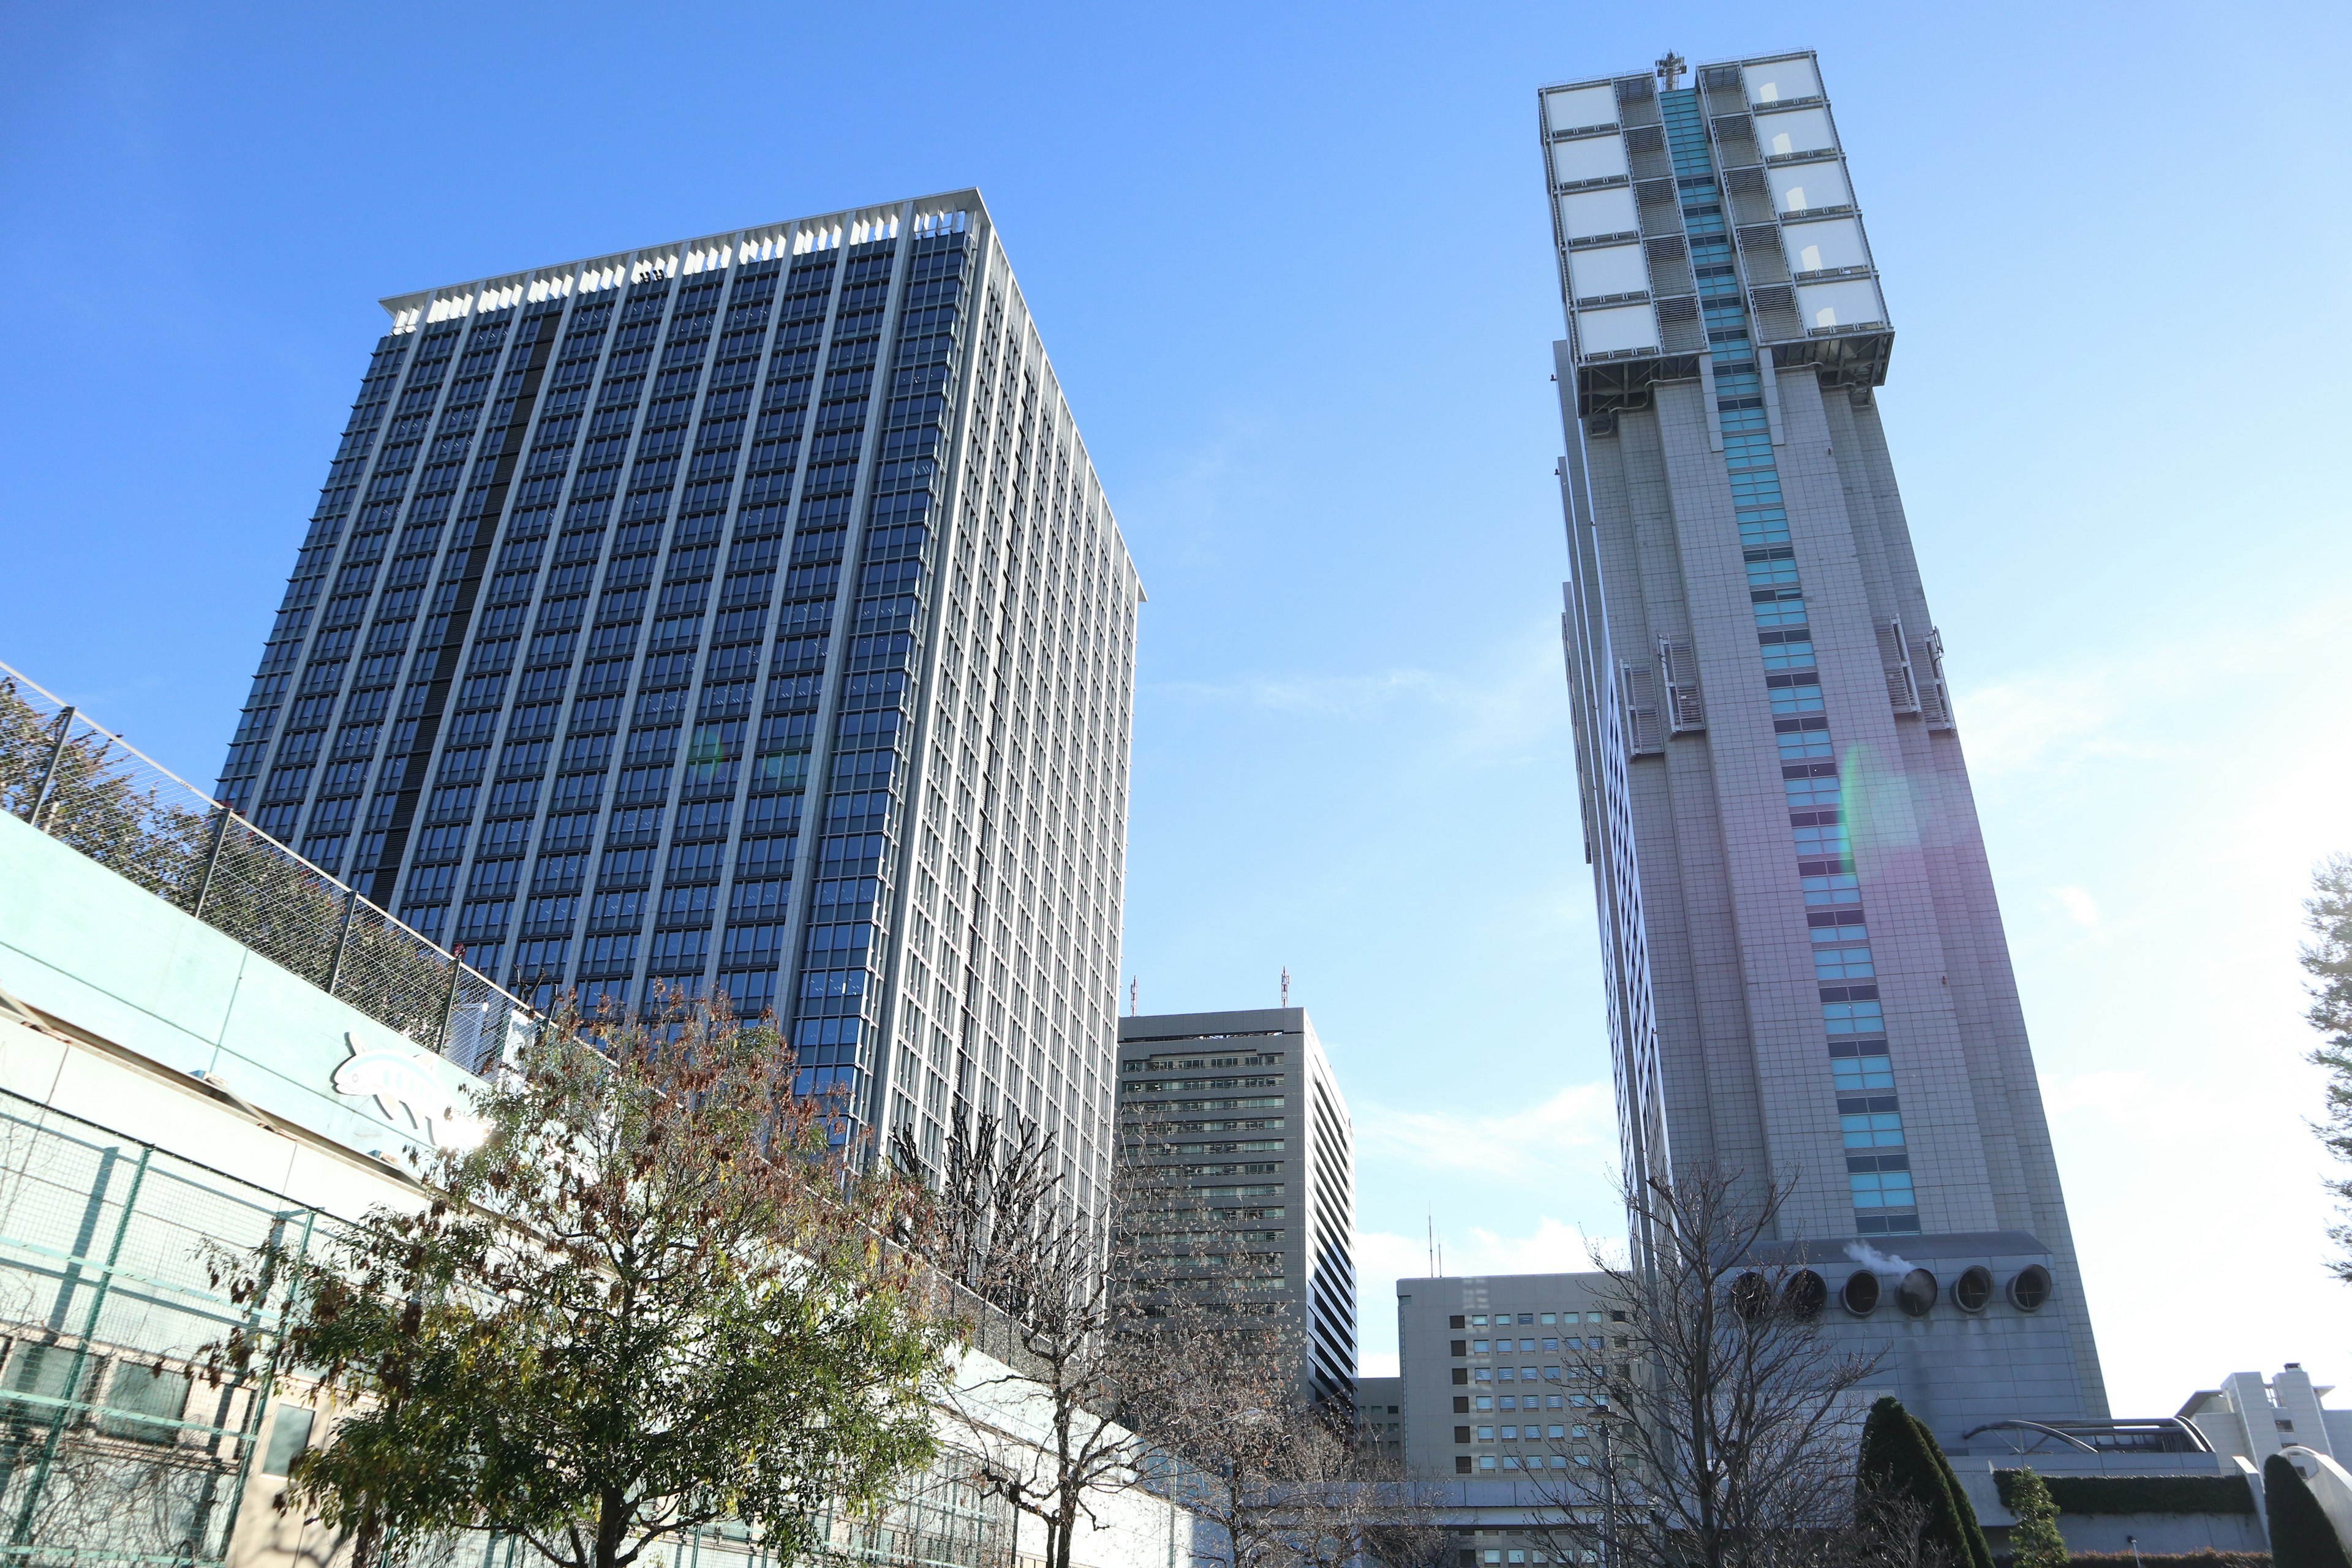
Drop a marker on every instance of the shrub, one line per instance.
(1901, 1461)
(2137, 1494)
(2301, 1535)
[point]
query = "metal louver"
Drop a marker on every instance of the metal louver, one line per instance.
(1686, 711)
(1902, 686)
(1935, 700)
(1640, 689)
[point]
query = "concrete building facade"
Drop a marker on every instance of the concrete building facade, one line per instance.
(743, 614)
(2251, 1417)
(1807, 979)
(1502, 1373)
(1379, 1416)
(1244, 1111)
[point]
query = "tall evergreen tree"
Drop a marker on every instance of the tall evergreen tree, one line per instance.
(2301, 1534)
(2328, 959)
(2033, 1539)
(1901, 1462)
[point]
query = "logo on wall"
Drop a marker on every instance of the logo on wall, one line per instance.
(405, 1089)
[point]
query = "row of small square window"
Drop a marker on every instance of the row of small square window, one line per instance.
(1504, 1320)
(1556, 1432)
(1522, 1375)
(1461, 1467)
(1464, 1403)
(1503, 1347)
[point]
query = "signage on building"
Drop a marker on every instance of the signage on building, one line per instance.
(406, 1089)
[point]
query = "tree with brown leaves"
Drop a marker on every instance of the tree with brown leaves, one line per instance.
(656, 1297)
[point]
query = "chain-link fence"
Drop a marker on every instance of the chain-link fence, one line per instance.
(87, 787)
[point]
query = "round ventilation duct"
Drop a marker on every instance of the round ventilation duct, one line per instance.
(1861, 1293)
(1751, 1297)
(2028, 1287)
(1973, 1288)
(1917, 1294)
(1804, 1295)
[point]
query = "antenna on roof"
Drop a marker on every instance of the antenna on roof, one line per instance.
(1671, 67)
(1132, 987)
(1285, 985)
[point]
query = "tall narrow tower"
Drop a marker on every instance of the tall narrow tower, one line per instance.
(740, 613)
(1806, 974)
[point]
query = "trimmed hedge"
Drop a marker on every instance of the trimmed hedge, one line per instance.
(2139, 1494)
(1900, 1459)
(2301, 1535)
(2208, 1558)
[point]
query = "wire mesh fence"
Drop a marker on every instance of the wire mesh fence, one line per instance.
(116, 1446)
(87, 787)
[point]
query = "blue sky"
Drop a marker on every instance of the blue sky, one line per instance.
(1292, 264)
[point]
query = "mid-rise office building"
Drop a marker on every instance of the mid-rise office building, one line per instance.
(1502, 1374)
(1379, 1416)
(1244, 1116)
(1807, 978)
(739, 614)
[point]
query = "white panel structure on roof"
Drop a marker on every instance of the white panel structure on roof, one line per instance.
(1808, 187)
(1824, 246)
(1588, 158)
(1587, 214)
(1607, 269)
(1797, 131)
(1779, 81)
(1850, 302)
(1616, 329)
(1576, 108)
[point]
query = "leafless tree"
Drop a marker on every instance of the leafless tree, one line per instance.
(1047, 1436)
(1725, 1436)
(1280, 1480)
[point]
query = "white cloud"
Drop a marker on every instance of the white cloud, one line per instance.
(2080, 906)
(1511, 696)
(1554, 1248)
(1561, 1134)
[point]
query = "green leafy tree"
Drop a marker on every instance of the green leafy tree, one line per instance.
(2301, 1534)
(2328, 959)
(655, 1298)
(1901, 1462)
(2033, 1539)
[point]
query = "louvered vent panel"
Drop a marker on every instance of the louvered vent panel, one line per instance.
(1902, 688)
(1935, 698)
(1641, 709)
(1685, 710)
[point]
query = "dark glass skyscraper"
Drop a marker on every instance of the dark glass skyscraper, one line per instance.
(740, 613)
(1807, 976)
